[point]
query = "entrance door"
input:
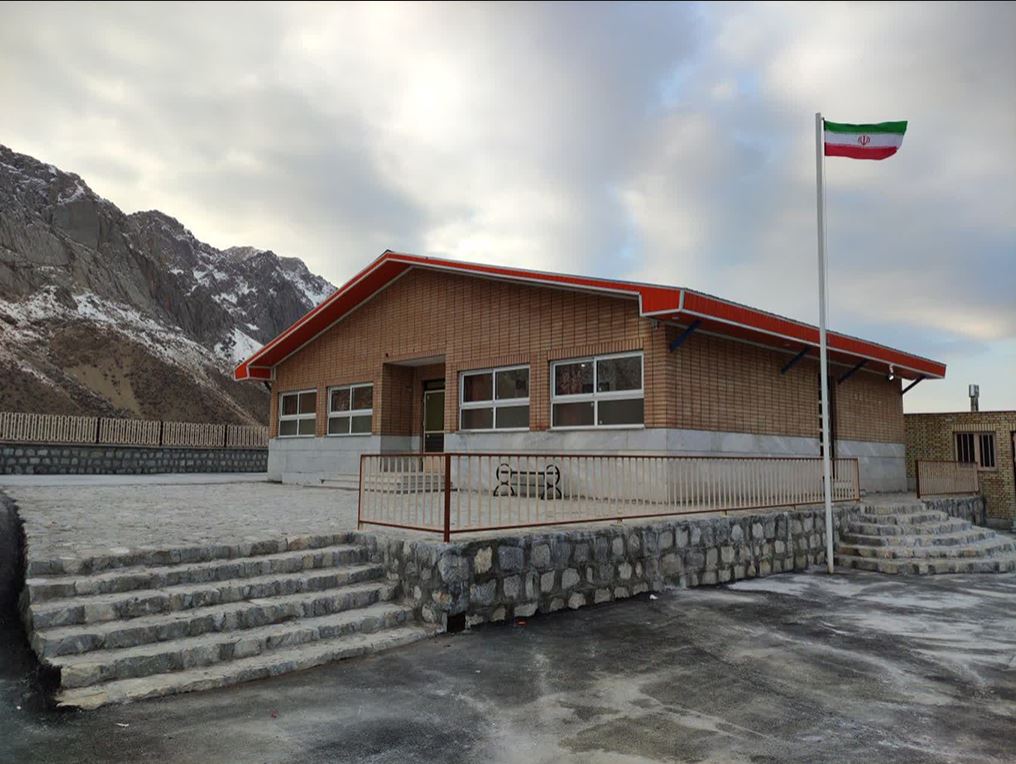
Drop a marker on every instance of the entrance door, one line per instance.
(433, 421)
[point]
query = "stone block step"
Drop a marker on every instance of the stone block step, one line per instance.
(208, 649)
(928, 516)
(232, 672)
(38, 566)
(985, 548)
(951, 525)
(123, 606)
(42, 589)
(952, 538)
(913, 507)
(248, 614)
(1001, 564)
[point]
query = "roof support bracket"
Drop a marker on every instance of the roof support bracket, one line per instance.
(912, 384)
(679, 339)
(795, 360)
(852, 372)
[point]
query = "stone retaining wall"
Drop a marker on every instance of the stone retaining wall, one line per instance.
(26, 459)
(510, 576)
(973, 509)
(504, 577)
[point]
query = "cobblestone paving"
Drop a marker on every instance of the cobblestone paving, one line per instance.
(112, 517)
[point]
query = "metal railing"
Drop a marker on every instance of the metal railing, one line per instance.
(59, 429)
(459, 493)
(944, 478)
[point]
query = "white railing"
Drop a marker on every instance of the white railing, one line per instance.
(941, 478)
(16, 427)
(459, 493)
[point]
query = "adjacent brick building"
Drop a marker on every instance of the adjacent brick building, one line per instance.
(420, 354)
(986, 438)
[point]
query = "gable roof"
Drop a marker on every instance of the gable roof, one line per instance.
(669, 304)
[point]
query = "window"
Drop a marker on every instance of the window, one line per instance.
(297, 414)
(604, 391)
(350, 409)
(976, 448)
(495, 399)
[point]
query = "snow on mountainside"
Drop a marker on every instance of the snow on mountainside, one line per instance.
(104, 312)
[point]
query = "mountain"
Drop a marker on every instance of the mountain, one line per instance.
(107, 313)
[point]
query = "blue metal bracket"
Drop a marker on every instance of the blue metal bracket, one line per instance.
(912, 384)
(852, 372)
(795, 360)
(679, 339)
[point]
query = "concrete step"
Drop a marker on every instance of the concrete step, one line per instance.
(41, 567)
(82, 638)
(345, 482)
(122, 606)
(140, 577)
(1001, 564)
(989, 547)
(272, 663)
(952, 525)
(952, 538)
(209, 649)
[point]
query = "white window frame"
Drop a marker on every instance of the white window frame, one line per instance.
(297, 417)
(594, 397)
(977, 451)
(349, 414)
(494, 403)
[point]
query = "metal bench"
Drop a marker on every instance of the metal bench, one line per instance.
(547, 481)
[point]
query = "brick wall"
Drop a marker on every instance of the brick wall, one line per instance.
(931, 436)
(710, 383)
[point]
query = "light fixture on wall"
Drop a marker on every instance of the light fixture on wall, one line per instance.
(892, 373)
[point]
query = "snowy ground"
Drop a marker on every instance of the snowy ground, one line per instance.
(856, 667)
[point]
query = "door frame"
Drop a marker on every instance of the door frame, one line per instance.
(431, 387)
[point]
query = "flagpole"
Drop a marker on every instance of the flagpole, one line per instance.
(822, 353)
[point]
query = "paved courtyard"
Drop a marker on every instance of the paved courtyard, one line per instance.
(795, 667)
(84, 516)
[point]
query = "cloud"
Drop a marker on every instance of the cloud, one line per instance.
(665, 142)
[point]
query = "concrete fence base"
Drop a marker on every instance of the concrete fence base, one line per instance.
(27, 459)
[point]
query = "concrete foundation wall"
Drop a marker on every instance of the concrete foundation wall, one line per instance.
(310, 460)
(122, 460)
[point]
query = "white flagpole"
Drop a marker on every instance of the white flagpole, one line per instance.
(823, 359)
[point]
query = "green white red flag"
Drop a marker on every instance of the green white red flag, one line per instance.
(871, 141)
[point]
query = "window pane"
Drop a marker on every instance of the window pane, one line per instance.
(306, 426)
(289, 404)
(573, 378)
(619, 374)
(287, 427)
(340, 400)
(512, 416)
(620, 412)
(964, 447)
(477, 419)
(433, 411)
(477, 387)
(513, 383)
(363, 397)
(338, 425)
(308, 403)
(361, 424)
(573, 414)
(988, 450)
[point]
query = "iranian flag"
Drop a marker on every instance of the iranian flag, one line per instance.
(877, 141)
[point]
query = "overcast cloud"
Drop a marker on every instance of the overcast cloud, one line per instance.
(670, 143)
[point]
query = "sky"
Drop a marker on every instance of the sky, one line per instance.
(670, 143)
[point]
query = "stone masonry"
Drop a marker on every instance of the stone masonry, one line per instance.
(506, 577)
(17, 459)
